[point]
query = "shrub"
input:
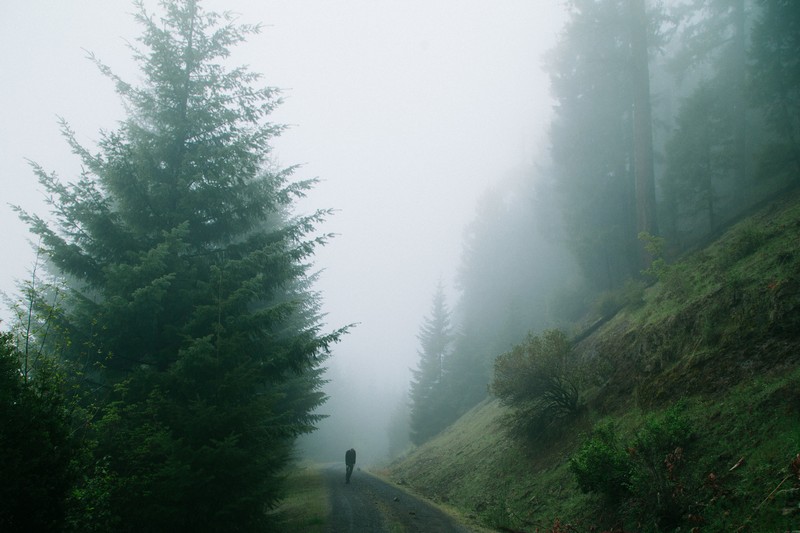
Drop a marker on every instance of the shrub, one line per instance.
(539, 379)
(646, 475)
(658, 452)
(602, 465)
(654, 246)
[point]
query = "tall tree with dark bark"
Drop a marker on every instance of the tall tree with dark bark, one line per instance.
(429, 407)
(591, 139)
(601, 136)
(644, 181)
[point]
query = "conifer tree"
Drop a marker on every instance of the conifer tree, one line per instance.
(601, 135)
(775, 84)
(428, 407)
(190, 314)
(706, 157)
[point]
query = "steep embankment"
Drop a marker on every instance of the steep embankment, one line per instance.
(716, 340)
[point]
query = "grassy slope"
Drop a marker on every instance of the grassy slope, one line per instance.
(721, 333)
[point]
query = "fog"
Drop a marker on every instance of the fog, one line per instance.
(407, 111)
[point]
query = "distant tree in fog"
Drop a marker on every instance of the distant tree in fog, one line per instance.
(775, 86)
(698, 159)
(601, 136)
(644, 173)
(190, 325)
(706, 169)
(591, 139)
(512, 266)
(428, 405)
(398, 428)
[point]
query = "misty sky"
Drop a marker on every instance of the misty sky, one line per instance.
(406, 110)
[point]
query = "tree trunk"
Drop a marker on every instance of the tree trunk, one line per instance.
(642, 128)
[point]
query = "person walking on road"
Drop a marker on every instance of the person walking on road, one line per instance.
(350, 461)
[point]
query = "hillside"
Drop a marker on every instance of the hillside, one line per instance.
(709, 355)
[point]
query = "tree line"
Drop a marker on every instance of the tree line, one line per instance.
(671, 120)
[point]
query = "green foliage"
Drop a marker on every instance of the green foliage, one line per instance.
(430, 409)
(602, 465)
(540, 380)
(746, 239)
(643, 480)
(775, 82)
(592, 137)
(719, 460)
(89, 501)
(36, 452)
(658, 455)
(654, 246)
(512, 262)
(189, 324)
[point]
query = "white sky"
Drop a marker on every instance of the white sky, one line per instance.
(406, 109)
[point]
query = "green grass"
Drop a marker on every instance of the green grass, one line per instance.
(306, 507)
(721, 334)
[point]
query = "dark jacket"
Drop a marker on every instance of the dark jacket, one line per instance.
(350, 457)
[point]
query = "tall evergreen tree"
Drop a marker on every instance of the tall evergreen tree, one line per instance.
(601, 136)
(710, 181)
(698, 159)
(775, 86)
(190, 304)
(644, 181)
(591, 139)
(428, 407)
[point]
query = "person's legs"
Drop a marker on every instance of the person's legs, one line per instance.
(348, 474)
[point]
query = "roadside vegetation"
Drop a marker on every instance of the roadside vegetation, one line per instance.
(692, 402)
(306, 507)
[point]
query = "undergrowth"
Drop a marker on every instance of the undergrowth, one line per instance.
(694, 419)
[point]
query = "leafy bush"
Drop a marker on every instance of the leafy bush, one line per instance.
(602, 465)
(646, 475)
(539, 379)
(654, 246)
(657, 453)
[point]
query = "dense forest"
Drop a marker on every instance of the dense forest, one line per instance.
(169, 346)
(673, 119)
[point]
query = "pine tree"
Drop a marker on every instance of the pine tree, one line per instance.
(428, 407)
(190, 312)
(592, 139)
(706, 177)
(775, 84)
(601, 135)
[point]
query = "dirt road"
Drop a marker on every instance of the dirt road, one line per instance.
(368, 504)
